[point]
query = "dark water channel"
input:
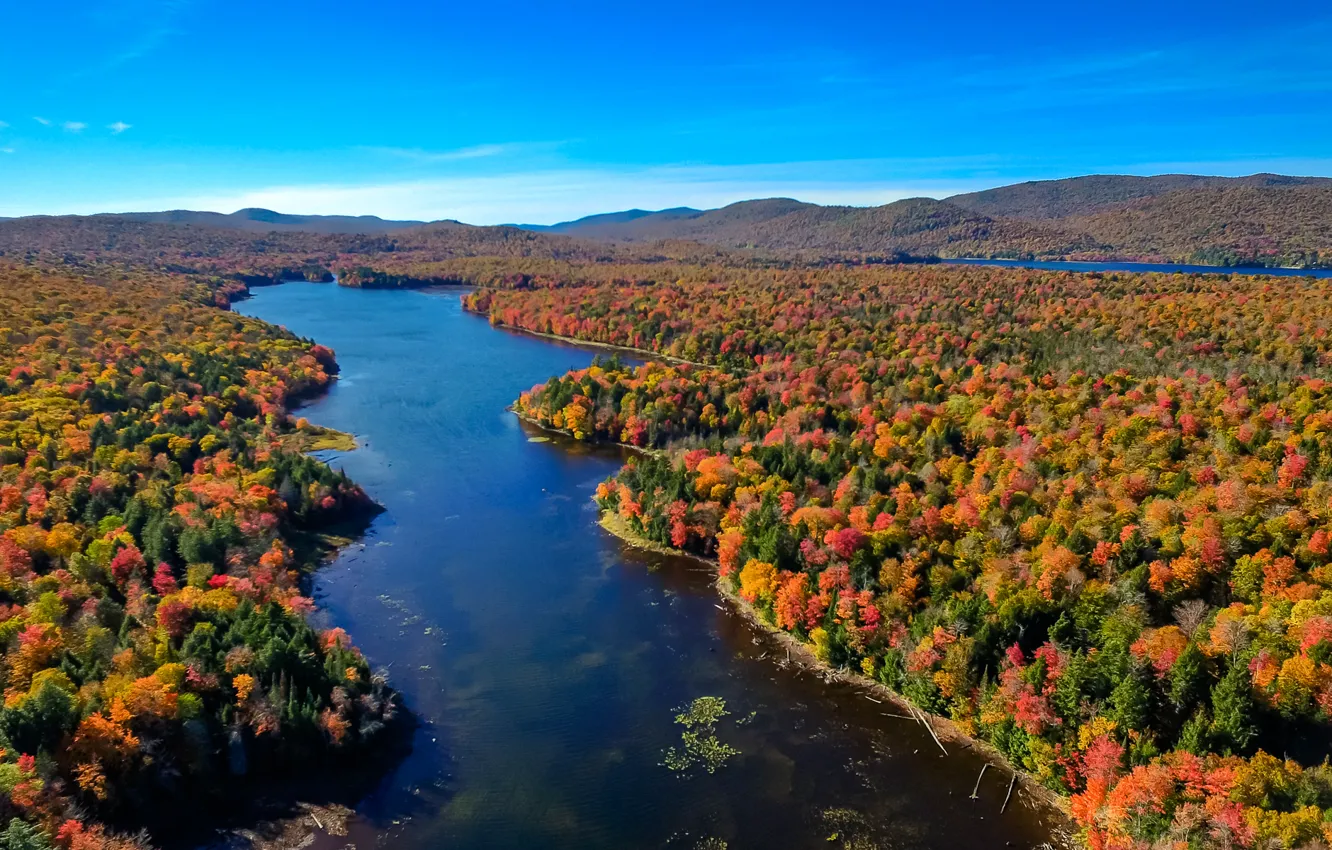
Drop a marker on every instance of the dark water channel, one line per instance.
(545, 659)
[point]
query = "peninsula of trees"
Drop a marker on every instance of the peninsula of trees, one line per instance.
(153, 503)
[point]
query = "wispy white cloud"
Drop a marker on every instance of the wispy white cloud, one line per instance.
(45, 122)
(127, 37)
(473, 152)
(118, 127)
(144, 44)
(6, 150)
(75, 126)
(1276, 61)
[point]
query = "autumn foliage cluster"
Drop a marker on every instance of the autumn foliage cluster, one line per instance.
(151, 617)
(1088, 517)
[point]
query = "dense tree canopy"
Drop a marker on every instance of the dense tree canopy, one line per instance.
(151, 614)
(442, 253)
(1088, 517)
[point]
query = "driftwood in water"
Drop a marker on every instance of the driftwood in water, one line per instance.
(920, 716)
(976, 791)
(1011, 783)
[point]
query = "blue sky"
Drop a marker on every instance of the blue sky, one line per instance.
(539, 112)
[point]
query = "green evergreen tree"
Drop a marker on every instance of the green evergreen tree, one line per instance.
(1233, 710)
(1131, 701)
(23, 836)
(1195, 735)
(1188, 678)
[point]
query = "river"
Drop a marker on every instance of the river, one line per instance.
(545, 659)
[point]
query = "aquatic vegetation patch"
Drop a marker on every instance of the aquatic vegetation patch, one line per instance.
(308, 437)
(699, 744)
(849, 829)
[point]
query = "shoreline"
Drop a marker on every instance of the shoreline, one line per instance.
(642, 353)
(944, 729)
(642, 450)
(1059, 264)
(296, 812)
(303, 825)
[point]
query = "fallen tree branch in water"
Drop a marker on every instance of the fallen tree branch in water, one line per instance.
(1011, 782)
(976, 791)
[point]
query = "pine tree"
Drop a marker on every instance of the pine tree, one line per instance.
(1130, 702)
(1188, 678)
(1194, 736)
(1233, 711)
(22, 836)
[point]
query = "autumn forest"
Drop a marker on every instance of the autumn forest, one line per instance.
(156, 503)
(1084, 517)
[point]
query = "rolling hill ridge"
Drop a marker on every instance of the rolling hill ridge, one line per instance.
(264, 221)
(1261, 219)
(1258, 220)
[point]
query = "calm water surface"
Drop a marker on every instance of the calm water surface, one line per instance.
(1169, 268)
(545, 659)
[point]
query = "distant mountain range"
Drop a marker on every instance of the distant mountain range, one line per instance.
(1263, 219)
(1049, 200)
(266, 221)
(917, 227)
(587, 225)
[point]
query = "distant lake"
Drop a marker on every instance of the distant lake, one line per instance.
(1169, 268)
(546, 660)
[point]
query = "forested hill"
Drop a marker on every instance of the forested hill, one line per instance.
(125, 235)
(589, 225)
(266, 221)
(251, 219)
(1049, 200)
(779, 229)
(1263, 219)
(917, 226)
(436, 253)
(1266, 219)
(1224, 225)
